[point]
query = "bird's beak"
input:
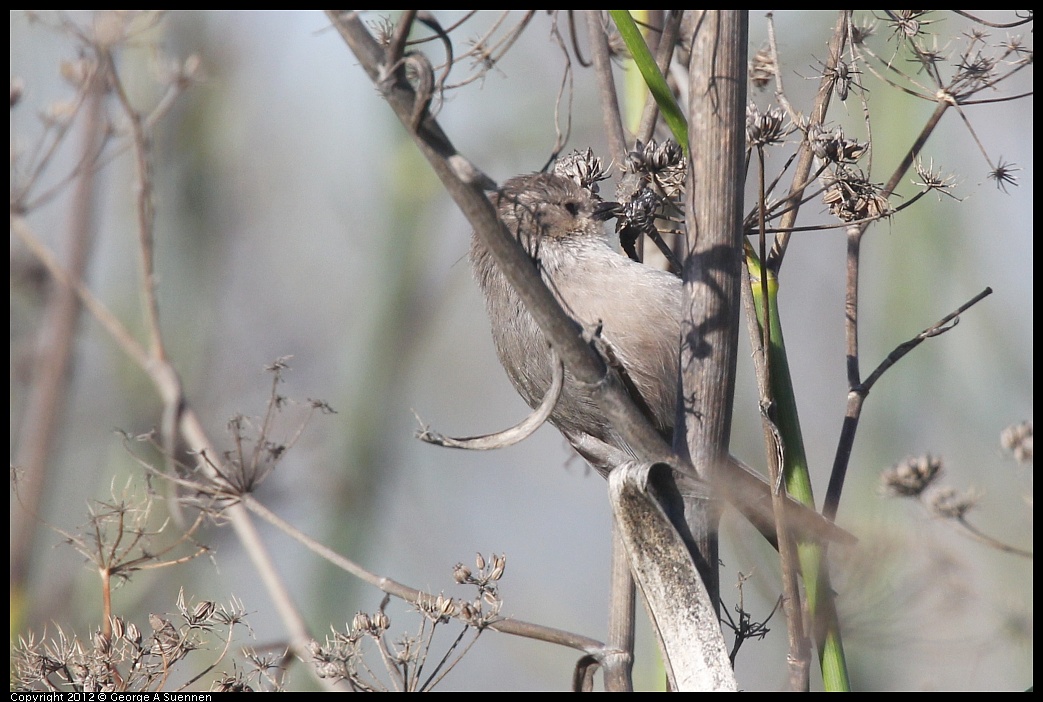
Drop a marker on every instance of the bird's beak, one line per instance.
(606, 210)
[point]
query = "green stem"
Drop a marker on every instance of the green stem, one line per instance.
(654, 78)
(825, 625)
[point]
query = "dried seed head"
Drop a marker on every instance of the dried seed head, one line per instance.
(912, 476)
(499, 564)
(445, 606)
(660, 163)
(202, 611)
(834, 146)
(118, 628)
(582, 167)
(165, 639)
(1003, 174)
(102, 643)
(361, 622)
(851, 197)
(948, 503)
(639, 212)
(134, 634)
(461, 573)
(906, 23)
(764, 128)
(661, 156)
(762, 68)
(231, 684)
(1017, 439)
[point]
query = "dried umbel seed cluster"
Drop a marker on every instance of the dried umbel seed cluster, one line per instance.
(851, 198)
(917, 477)
(764, 128)
(912, 476)
(488, 572)
(949, 503)
(762, 68)
(485, 607)
(834, 147)
(120, 657)
(584, 168)
(1017, 439)
(343, 656)
(437, 608)
(662, 165)
(650, 190)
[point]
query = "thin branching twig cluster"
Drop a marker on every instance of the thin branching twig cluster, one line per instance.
(211, 484)
(407, 662)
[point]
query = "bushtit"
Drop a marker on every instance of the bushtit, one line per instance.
(635, 308)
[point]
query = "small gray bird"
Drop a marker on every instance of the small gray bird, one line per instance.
(635, 308)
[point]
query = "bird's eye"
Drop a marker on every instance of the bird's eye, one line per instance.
(572, 208)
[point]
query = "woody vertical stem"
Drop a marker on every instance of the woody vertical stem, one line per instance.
(709, 330)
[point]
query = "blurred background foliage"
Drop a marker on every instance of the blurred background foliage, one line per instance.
(294, 217)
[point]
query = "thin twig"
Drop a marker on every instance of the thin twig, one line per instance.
(165, 379)
(859, 391)
(943, 325)
(47, 394)
(977, 534)
(818, 117)
(613, 122)
(409, 594)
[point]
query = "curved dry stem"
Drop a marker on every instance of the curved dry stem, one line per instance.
(409, 594)
(980, 536)
(508, 437)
